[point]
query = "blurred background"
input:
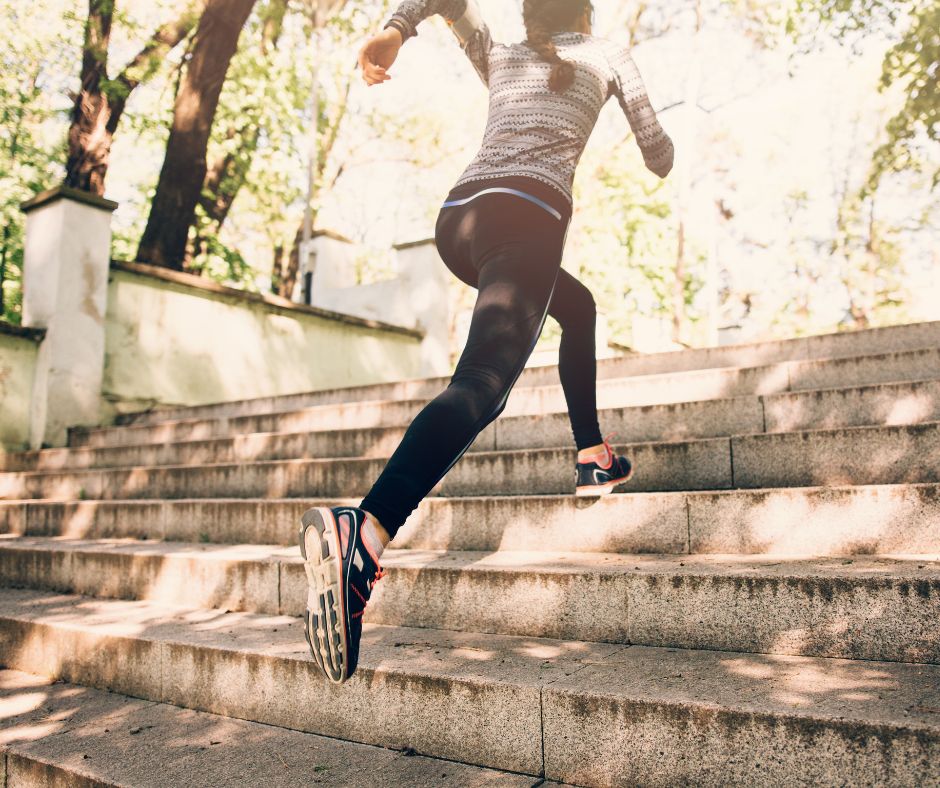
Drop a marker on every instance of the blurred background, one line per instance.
(803, 199)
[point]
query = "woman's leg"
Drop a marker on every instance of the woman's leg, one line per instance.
(513, 249)
(573, 306)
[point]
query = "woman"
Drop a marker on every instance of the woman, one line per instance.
(501, 229)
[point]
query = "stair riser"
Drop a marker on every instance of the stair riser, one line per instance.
(886, 455)
(23, 771)
(87, 737)
(251, 586)
(616, 523)
(586, 738)
(361, 443)
(895, 340)
(797, 522)
(660, 423)
(687, 466)
(338, 417)
(890, 404)
(479, 722)
(602, 741)
(613, 393)
(365, 396)
(892, 620)
(822, 349)
(889, 619)
(640, 392)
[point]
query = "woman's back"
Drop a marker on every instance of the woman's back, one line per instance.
(532, 130)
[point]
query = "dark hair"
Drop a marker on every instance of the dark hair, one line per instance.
(544, 17)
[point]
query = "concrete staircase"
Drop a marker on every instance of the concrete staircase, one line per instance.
(759, 605)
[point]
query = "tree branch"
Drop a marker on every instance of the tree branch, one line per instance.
(164, 39)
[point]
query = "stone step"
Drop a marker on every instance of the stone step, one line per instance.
(55, 734)
(886, 404)
(799, 521)
(860, 608)
(854, 455)
(584, 713)
(887, 340)
(669, 389)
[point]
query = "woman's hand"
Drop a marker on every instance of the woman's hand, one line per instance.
(378, 53)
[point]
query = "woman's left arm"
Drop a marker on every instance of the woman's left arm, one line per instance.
(464, 19)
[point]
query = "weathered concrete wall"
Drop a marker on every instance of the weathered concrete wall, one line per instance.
(174, 338)
(19, 348)
(417, 298)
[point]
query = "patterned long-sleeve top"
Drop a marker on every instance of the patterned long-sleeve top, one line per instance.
(531, 130)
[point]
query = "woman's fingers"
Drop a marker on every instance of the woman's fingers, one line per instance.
(377, 54)
(374, 74)
(371, 72)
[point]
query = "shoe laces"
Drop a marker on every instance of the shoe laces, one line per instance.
(379, 574)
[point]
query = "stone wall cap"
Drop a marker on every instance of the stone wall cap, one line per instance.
(27, 332)
(332, 234)
(410, 244)
(271, 300)
(50, 195)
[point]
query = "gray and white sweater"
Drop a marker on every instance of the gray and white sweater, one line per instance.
(531, 130)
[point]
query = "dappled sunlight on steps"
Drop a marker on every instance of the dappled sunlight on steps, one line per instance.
(758, 605)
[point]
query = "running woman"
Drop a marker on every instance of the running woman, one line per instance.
(501, 229)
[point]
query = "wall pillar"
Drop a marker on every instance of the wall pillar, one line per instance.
(66, 260)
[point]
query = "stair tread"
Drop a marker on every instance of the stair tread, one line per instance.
(897, 695)
(913, 566)
(78, 732)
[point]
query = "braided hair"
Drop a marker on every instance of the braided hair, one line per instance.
(544, 17)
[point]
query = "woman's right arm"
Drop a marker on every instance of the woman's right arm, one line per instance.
(654, 142)
(462, 16)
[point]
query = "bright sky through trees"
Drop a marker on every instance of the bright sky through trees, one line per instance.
(780, 143)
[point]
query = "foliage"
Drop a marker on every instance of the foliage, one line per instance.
(912, 62)
(800, 248)
(33, 108)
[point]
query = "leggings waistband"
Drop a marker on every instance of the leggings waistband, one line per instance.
(521, 193)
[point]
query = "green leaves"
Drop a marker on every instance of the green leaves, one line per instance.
(912, 62)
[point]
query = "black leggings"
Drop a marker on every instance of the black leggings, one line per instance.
(510, 249)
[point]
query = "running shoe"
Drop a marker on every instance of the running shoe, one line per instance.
(592, 478)
(341, 572)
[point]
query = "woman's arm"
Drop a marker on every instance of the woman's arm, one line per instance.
(464, 19)
(654, 142)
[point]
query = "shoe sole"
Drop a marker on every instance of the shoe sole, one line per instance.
(325, 616)
(586, 491)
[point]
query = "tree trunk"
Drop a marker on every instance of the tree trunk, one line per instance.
(3, 267)
(285, 277)
(88, 139)
(184, 166)
(684, 179)
(227, 174)
(96, 111)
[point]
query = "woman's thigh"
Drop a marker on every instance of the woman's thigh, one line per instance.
(451, 233)
(503, 228)
(516, 255)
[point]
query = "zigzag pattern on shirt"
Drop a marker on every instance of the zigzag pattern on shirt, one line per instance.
(530, 129)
